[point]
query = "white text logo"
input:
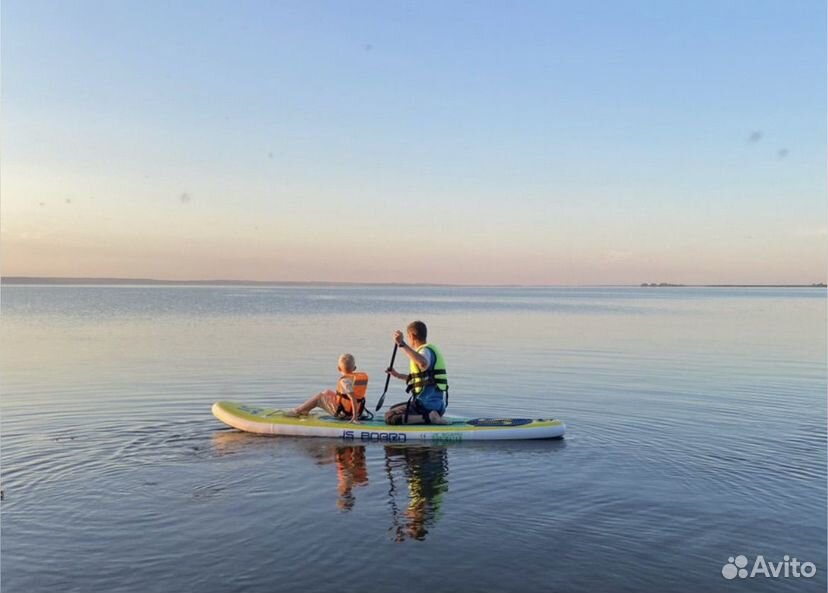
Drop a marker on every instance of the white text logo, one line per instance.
(786, 568)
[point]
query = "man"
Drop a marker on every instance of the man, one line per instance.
(426, 381)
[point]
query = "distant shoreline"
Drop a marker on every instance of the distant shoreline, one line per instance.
(156, 282)
(64, 281)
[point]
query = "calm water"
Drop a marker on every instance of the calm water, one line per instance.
(696, 417)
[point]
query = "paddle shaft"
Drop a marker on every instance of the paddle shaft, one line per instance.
(387, 380)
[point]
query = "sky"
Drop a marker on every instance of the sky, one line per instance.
(549, 142)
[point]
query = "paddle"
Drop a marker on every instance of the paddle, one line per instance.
(387, 380)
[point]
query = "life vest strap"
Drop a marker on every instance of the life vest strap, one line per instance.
(340, 394)
(413, 405)
(340, 410)
(344, 396)
(426, 373)
(426, 378)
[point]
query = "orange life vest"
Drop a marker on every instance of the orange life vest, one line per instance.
(360, 382)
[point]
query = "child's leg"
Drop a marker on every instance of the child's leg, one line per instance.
(309, 405)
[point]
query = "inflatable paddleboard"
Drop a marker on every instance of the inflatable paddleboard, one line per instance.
(265, 421)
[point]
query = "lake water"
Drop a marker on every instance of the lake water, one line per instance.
(696, 432)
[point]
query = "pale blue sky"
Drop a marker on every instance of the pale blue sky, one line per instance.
(538, 142)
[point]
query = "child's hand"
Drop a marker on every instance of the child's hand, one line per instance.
(355, 421)
(393, 373)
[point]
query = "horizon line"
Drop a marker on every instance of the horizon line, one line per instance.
(103, 280)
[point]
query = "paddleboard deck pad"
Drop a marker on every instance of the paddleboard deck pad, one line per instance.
(266, 421)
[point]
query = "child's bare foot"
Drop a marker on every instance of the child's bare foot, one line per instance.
(293, 414)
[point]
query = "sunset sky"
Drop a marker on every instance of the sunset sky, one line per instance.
(544, 142)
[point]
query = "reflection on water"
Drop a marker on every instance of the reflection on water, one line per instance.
(417, 481)
(412, 477)
(416, 475)
(351, 469)
(425, 471)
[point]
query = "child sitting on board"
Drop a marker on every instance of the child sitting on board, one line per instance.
(347, 401)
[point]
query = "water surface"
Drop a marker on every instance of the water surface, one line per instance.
(696, 431)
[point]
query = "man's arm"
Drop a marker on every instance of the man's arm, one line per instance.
(420, 360)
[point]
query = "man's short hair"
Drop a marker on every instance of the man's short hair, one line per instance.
(418, 330)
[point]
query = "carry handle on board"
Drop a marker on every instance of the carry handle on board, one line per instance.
(387, 380)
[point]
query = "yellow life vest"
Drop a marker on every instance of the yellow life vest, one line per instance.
(434, 375)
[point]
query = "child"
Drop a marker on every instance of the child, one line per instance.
(347, 401)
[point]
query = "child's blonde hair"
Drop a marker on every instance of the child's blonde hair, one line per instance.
(347, 362)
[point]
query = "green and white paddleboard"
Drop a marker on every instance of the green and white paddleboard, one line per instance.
(265, 421)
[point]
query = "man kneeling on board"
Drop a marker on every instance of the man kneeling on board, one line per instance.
(426, 381)
(347, 401)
